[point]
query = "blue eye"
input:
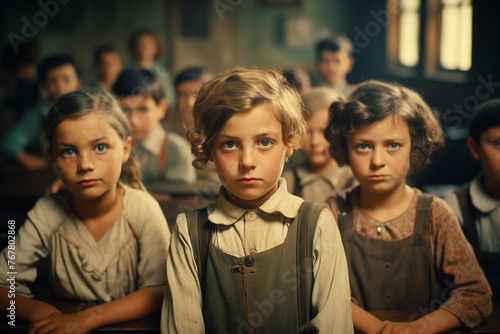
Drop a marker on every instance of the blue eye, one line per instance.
(394, 146)
(101, 148)
(362, 147)
(229, 145)
(69, 152)
(265, 143)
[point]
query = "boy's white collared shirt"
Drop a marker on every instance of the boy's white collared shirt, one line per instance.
(487, 226)
(178, 158)
(242, 232)
(153, 142)
(252, 230)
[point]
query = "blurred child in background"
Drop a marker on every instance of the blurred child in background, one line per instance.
(319, 176)
(334, 57)
(164, 156)
(108, 65)
(477, 204)
(22, 65)
(147, 49)
(187, 85)
(59, 75)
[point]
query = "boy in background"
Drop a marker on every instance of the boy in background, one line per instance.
(319, 176)
(164, 156)
(59, 75)
(108, 65)
(335, 60)
(477, 204)
(187, 85)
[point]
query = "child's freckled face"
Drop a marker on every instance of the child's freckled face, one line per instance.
(379, 154)
(143, 113)
(89, 155)
(249, 154)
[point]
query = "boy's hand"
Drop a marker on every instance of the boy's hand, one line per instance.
(399, 327)
(31, 162)
(59, 323)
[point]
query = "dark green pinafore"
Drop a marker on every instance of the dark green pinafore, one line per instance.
(395, 274)
(266, 292)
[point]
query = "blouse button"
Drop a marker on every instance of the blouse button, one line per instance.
(387, 264)
(249, 261)
(388, 296)
(251, 215)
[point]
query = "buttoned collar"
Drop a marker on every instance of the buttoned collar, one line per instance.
(153, 142)
(480, 198)
(224, 212)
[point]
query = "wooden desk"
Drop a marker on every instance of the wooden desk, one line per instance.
(152, 324)
(491, 325)
(146, 325)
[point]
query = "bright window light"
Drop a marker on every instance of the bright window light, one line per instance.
(409, 32)
(456, 35)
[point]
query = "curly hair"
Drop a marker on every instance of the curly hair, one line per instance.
(237, 91)
(374, 100)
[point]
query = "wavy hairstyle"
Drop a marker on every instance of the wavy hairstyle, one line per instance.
(374, 100)
(80, 103)
(237, 91)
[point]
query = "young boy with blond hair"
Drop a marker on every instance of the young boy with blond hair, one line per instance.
(258, 259)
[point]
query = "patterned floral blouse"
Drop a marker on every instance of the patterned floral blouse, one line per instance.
(470, 300)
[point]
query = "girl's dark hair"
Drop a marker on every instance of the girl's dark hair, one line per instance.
(80, 103)
(372, 101)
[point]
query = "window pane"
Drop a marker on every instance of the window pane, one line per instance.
(456, 35)
(466, 38)
(409, 32)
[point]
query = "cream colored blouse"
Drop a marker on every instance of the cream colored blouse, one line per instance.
(130, 256)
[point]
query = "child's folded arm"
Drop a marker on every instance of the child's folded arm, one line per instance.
(137, 305)
(330, 300)
(470, 293)
(182, 304)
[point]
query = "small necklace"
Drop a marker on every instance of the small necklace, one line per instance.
(379, 228)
